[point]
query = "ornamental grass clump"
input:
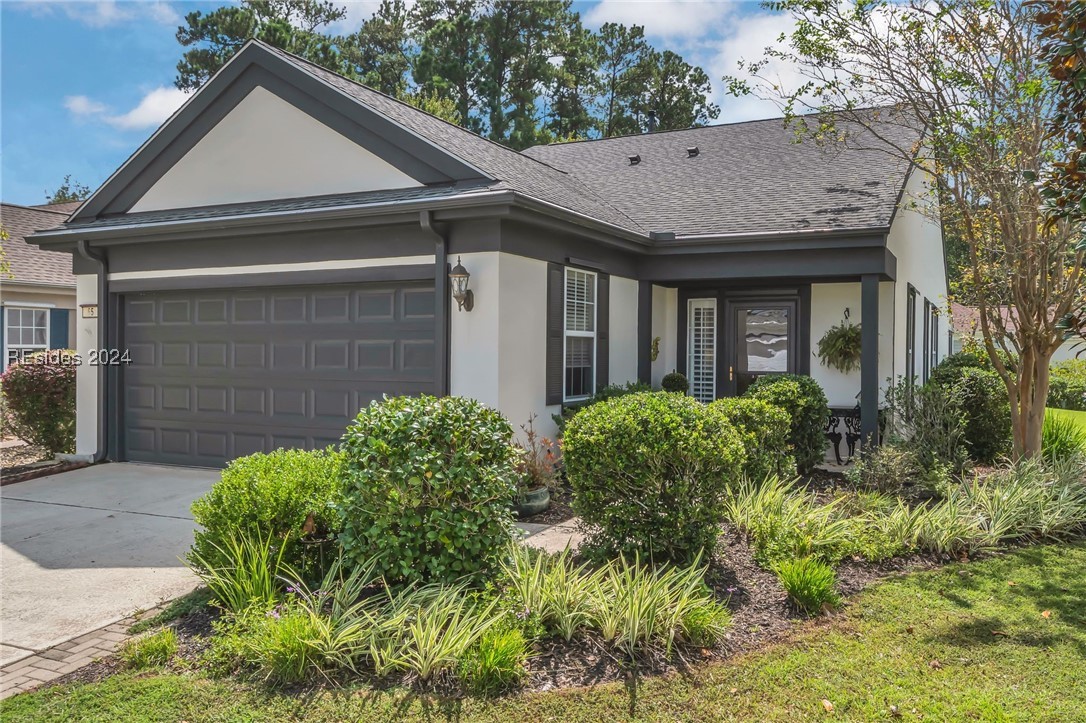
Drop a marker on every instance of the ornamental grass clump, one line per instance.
(649, 474)
(811, 584)
(429, 489)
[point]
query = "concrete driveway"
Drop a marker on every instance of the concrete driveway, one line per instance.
(84, 549)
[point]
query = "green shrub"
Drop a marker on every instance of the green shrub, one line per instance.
(149, 651)
(675, 382)
(497, 662)
(649, 473)
(803, 400)
(811, 585)
(982, 397)
(285, 497)
(765, 430)
(39, 400)
(949, 369)
(928, 420)
(608, 392)
(889, 468)
(1067, 385)
(430, 485)
(1062, 437)
(244, 572)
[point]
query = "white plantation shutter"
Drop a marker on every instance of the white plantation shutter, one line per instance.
(580, 334)
(701, 349)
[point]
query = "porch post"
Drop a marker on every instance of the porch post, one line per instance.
(644, 332)
(869, 360)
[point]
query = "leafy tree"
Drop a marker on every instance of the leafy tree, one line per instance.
(972, 75)
(68, 191)
(379, 51)
(292, 25)
(677, 91)
(450, 53)
(574, 88)
(623, 52)
(517, 46)
(1063, 34)
(435, 105)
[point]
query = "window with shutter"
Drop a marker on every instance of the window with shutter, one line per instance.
(701, 348)
(580, 335)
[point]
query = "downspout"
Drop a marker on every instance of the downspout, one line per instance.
(99, 258)
(441, 298)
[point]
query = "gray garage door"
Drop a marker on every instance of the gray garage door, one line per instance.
(218, 374)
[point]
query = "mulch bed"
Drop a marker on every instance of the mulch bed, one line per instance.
(761, 615)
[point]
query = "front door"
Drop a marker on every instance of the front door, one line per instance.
(760, 338)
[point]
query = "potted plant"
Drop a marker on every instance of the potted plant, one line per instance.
(538, 469)
(840, 347)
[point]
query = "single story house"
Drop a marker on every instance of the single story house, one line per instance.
(278, 254)
(965, 327)
(37, 296)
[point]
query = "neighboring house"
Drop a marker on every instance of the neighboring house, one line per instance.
(277, 255)
(965, 323)
(37, 300)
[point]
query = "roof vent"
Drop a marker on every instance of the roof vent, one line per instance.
(634, 160)
(692, 151)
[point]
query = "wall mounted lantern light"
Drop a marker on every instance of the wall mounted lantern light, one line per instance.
(458, 278)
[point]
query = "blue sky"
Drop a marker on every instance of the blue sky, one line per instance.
(83, 84)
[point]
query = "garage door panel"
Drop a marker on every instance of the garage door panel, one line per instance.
(220, 374)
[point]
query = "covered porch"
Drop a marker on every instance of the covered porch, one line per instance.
(724, 320)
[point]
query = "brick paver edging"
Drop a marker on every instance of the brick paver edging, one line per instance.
(30, 672)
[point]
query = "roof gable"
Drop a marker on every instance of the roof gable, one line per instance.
(255, 66)
(246, 158)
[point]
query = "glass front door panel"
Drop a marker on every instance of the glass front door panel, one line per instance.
(763, 343)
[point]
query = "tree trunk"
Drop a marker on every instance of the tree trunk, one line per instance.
(1028, 398)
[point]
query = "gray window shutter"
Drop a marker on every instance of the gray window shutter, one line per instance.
(603, 314)
(556, 304)
(58, 328)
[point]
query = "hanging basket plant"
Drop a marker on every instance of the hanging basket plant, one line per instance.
(840, 347)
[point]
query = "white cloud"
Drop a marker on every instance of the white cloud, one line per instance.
(106, 13)
(81, 105)
(746, 38)
(662, 18)
(152, 110)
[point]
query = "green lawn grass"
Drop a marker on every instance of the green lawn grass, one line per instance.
(1003, 639)
(1078, 417)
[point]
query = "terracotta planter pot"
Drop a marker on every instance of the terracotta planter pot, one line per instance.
(533, 502)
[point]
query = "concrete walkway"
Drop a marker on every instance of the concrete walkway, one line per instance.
(82, 550)
(552, 538)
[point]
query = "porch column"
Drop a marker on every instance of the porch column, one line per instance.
(869, 360)
(644, 332)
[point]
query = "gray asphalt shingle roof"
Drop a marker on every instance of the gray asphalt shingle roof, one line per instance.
(30, 264)
(746, 178)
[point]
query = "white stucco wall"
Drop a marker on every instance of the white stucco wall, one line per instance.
(665, 324)
(917, 241)
(622, 326)
(828, 304)
(86, 376)
(263, 149)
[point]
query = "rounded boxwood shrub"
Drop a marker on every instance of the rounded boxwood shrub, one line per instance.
(675, 382)
(430, 485)
(649, 473)
(287, 495)
(765, 430)
(39, 400)
(804, 401)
